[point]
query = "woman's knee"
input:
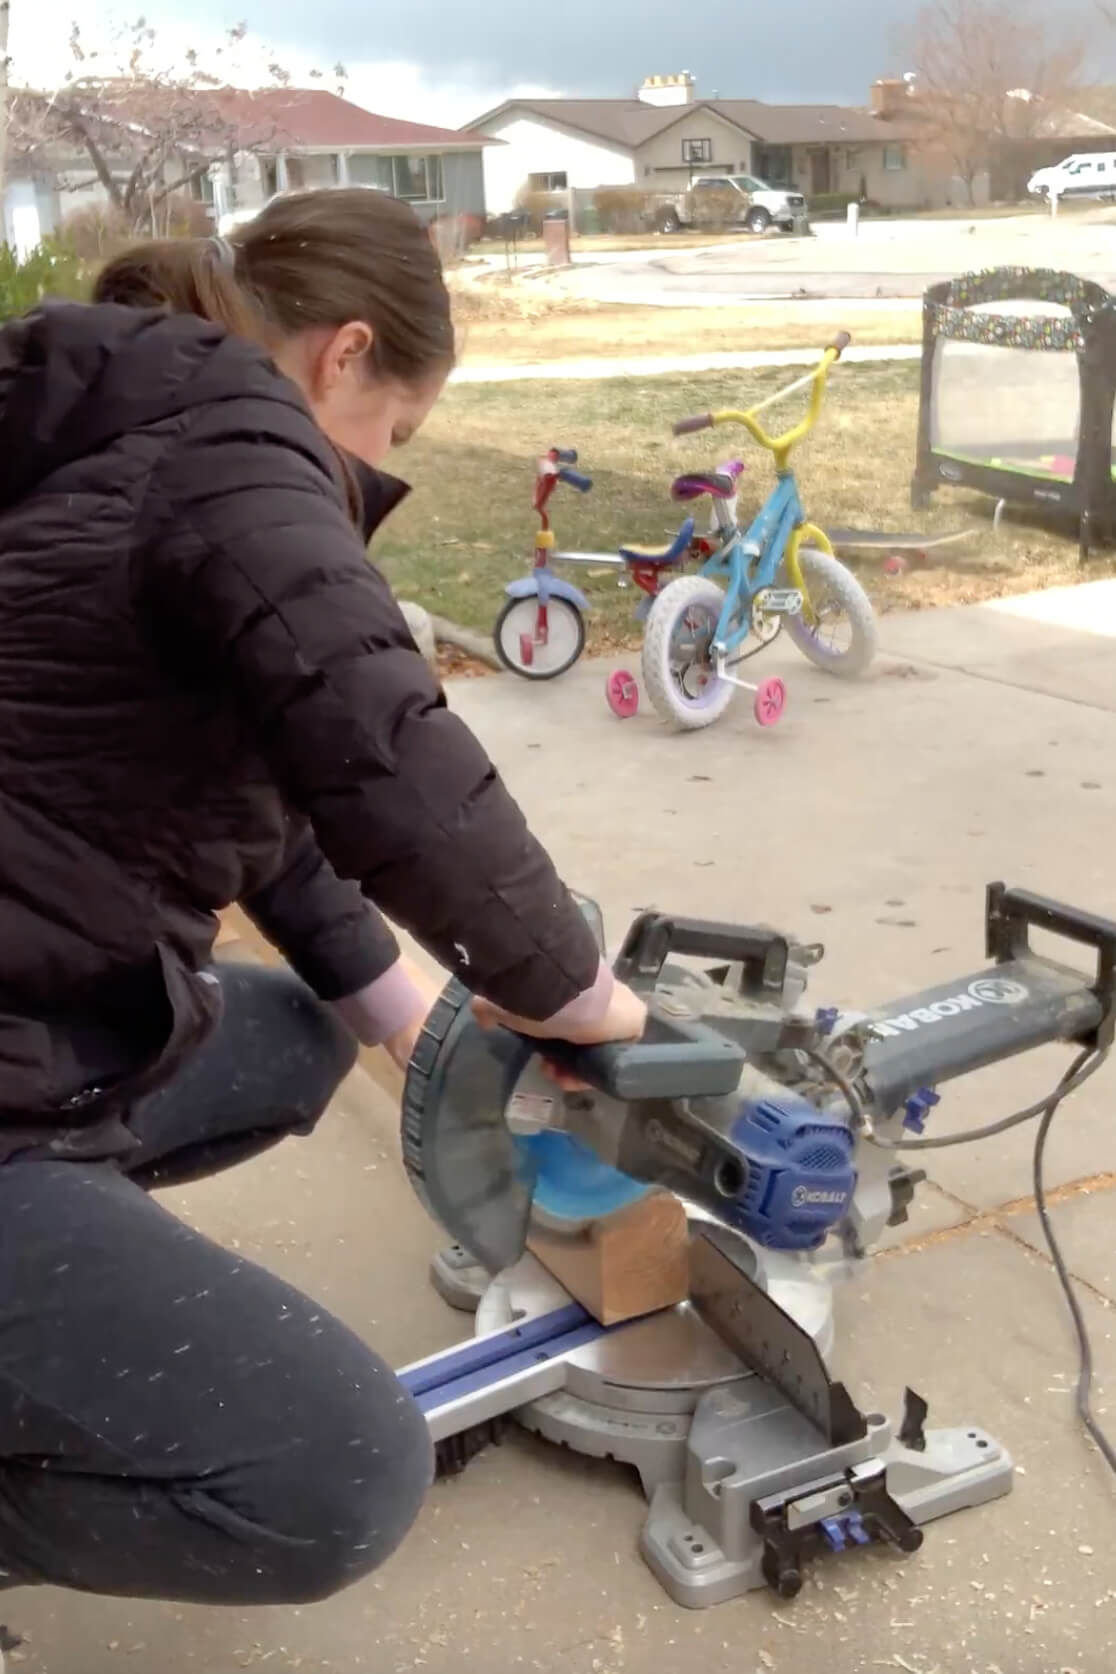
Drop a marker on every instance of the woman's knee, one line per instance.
(337, 1501)
(296, 1039)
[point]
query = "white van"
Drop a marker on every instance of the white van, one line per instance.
(1087, 174)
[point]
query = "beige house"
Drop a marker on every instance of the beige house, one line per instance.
(666, 135)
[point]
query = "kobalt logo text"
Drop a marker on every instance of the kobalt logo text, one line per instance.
(803, 1196)
(984, 991)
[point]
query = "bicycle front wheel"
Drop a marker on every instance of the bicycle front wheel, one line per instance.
(678, 668)
(520, 648)
(838, 631)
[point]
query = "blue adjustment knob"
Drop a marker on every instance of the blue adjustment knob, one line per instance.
(918, 1107)
(825, 1019)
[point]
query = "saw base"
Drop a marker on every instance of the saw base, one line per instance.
(714, 1443)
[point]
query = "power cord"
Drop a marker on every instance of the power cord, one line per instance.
(1086, 1064)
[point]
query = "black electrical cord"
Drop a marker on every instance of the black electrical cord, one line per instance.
(1084, 1344)
(1084, 1065)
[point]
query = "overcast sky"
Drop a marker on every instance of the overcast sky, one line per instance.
(445, 61)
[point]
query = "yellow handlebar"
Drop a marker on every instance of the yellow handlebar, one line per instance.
(781, 446)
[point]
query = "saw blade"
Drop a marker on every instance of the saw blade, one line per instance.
(462, 1160)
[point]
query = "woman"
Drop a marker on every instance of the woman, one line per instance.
(207, 695)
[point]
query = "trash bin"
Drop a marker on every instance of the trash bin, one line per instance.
(556, 237)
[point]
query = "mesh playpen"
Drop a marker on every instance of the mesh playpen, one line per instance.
(1018, 386)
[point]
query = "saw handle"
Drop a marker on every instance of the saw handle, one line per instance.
(1011, 914)
(674, 1060)
(653, 937)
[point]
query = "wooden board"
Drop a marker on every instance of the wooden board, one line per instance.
(630, 1264)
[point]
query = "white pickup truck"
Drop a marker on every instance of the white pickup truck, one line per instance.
(735, 199)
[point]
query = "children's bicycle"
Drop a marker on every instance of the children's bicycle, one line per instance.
(780, 572)
(540, 632)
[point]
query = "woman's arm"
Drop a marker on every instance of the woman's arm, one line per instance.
(246, 548)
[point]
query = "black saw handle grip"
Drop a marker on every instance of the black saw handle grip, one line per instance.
(653, 937)
(1011, 914)
(674, 1060)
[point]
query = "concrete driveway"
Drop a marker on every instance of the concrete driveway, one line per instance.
(888, 259)
(983, 748)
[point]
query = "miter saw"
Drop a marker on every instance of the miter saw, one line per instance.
(784, 1129)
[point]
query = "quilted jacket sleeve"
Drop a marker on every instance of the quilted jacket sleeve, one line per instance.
(246, 545)
(321, 923)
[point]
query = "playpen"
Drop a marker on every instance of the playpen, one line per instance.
(1018, 386)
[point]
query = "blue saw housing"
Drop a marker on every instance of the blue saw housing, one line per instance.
(799, 1174)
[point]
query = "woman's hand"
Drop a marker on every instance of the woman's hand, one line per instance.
(625, 1018)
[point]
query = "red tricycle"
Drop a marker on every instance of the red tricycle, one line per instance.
(540, 632)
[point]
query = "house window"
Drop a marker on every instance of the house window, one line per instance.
(697, 150)
(556, 181)
(418, 179)
(894, 158)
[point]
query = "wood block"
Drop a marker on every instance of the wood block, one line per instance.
(629, 1264)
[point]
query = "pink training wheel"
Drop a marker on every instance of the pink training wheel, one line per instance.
(622, 693)
(770, 701)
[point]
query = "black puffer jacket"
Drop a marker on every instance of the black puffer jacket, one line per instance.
(207, 694)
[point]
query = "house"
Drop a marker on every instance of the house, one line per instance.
(294, 138)
(666, 135)
(267, 141)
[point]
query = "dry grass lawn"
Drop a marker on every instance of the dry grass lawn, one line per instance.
(468, 527)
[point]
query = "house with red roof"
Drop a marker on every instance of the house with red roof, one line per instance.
(296, 138)
(231, 150)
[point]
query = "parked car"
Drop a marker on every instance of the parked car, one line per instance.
(735, 200)
(1085, 174)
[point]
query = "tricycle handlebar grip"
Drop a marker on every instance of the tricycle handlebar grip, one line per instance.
(575, 479)
(564, 456)
(841, 342)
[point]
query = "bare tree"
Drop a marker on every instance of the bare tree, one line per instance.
(142, 127)
(5, 21)
(989, 73)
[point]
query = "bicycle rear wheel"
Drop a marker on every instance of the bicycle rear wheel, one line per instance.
(678, 669)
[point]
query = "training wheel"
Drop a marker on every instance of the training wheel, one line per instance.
(622, 693)
(770, 701)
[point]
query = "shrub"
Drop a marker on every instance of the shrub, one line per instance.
(452, 235)
(536, 205)
(51, 270)
(95, 233)
(623, 209)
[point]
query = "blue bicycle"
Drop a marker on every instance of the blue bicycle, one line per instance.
(779, 572)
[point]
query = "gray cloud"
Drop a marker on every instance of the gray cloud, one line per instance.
(794, 50)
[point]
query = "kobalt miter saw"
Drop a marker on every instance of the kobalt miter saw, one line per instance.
(784, 1130)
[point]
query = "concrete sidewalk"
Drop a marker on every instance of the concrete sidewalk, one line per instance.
(984, 747)
(649, 366)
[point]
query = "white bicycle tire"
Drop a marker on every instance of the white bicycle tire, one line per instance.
(670, 702)
(842, 585)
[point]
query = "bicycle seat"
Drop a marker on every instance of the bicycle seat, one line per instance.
(694, 484)
(668, 554)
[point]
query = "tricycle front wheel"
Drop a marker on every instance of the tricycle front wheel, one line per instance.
(521, 646)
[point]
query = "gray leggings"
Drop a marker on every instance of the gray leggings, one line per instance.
(174, 1421)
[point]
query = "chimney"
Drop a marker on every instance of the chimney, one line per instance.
(668, 90)
(888, 98)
